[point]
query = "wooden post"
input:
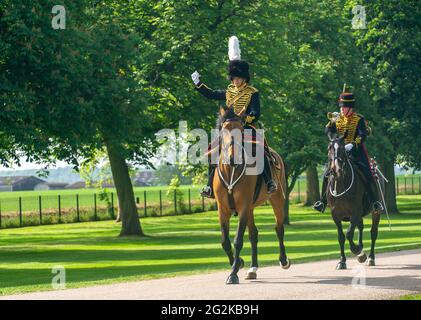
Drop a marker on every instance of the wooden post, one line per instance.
(20, 211)
(77, 208)
(203, 204)
(175, 201)
(189, 201)
(405, 184)
(419, 184)
(144, 202)
(412, 182)
(95, 213)
(0, 214)
(59, 209)
(299, 196)
(112, 205)
(160, 202)
(40, 209)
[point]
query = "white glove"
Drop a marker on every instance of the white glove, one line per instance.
(348, 147)
(195, 77)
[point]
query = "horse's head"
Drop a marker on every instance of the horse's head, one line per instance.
(337, 155)
(231, 136)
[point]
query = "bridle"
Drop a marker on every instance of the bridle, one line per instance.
(230, 185)
(334, 193)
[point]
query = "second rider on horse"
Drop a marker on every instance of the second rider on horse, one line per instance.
(243, 99)
(353, 128)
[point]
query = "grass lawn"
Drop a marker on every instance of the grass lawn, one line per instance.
(412, 297)
(92, 253)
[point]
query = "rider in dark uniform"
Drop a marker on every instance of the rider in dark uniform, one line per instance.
(243, 98)
(354, 129)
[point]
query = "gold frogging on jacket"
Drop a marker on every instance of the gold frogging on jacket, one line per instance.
(239, 98)
(348, 126)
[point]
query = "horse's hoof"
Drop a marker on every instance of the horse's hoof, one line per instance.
(371, 262)
(356, 250)
(232, 279)
(286, 265)
(341, 265)
(251, 276)
(362, 257)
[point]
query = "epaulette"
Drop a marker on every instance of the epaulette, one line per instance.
(253, 89)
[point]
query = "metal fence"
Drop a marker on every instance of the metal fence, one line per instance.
(65, 208)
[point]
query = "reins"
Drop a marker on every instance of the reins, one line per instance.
(334, 192)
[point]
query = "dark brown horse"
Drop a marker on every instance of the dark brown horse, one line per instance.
(244, 197)
(348, 202)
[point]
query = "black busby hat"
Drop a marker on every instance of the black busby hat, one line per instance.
(239, 68)
(346, 99)
(236, 66)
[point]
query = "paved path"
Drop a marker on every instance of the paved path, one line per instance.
(396, 274)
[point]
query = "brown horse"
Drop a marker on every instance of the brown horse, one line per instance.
(243, 199)
(348, 202)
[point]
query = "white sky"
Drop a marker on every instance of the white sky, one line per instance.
(28, 165)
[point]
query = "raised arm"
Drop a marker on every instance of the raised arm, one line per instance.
(209, 93)
(205, 90)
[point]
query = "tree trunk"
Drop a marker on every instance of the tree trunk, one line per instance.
(127, 210)
(313, 192)
(387, 166)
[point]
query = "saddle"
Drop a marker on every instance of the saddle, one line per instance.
(272, 156)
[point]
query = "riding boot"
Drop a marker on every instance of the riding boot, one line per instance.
(207, 191)
(373, 196)
(267, 176)
(322, 203)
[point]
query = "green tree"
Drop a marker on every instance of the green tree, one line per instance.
(67, 93)
(391, 47)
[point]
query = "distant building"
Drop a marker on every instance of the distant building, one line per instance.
(144, 178)
(22, 183)
(56, 185)
(82, 185)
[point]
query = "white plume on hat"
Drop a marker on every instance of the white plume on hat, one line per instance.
(234, 52)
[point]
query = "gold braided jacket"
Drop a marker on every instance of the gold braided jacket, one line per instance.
(239, 97)
(348, 125)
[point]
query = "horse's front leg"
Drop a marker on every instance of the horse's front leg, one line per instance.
(350, 235)
(238, 245)
(224, 221)
(374, 232)
(253, 237)
(362, 257)
(341, 238)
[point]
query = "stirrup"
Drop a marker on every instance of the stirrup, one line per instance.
(271, 186)
(207, 192)
(319, 206)
(377, 206)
